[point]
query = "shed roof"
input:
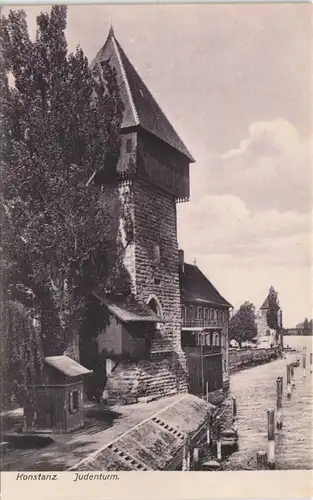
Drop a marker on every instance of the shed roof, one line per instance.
(141, 109)
(67, 366)
(127, 309)
(195, 287)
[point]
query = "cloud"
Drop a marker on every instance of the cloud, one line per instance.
(271, 169)
(223, 224)
(244, 251)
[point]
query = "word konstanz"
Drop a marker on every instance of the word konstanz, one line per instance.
(36, 477)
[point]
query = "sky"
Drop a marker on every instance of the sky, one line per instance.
(236, 83)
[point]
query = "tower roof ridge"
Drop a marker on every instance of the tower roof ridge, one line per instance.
(141, 109)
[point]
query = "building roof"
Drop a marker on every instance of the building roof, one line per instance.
(127, 309)
(67, 366)
(195, 287)
(265, 304)
(141, 109)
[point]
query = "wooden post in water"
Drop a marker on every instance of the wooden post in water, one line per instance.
(271, 438)
(311, 362)
(209, 428)
(292, 375)
(304, 363)
(207, 391)
(261, 460)
(218, 438)
(288, 381)
(235, 427)
(186, 454)
(279, 400)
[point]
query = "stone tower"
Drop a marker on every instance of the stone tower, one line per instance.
(152, 176)
(261, 320)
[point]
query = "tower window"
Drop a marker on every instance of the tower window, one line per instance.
(156, 254)
(129, 146)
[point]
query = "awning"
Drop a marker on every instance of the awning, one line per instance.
(67, 366)
(127, 309)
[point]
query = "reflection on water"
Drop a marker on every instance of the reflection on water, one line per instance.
(255, 390)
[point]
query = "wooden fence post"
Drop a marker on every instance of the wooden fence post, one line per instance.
(186, 454)
(288, 381)
(219, 438)
(261, 460)
(195, 458)
(292, 374)
(271, 438)
(209, 429)
(304, 363)
(279, 402)
(235, 427)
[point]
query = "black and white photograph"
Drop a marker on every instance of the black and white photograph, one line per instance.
(156, 239)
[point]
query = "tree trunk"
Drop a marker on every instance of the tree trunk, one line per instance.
(72, 349)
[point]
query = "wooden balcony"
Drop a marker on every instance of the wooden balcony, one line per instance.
(199, 324)
(206, 350)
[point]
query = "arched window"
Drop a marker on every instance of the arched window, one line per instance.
(205, 314)
(199, 312)
(215, 314)
(216, 336)
(211, 314)
(190, 312)
(156, 307)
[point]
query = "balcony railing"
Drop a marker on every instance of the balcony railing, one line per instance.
(202, 323)
(203, 351)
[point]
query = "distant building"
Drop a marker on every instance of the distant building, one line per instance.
(263, 330)
(205, 320)
(261, 320)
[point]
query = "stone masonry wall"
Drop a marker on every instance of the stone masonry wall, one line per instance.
(152, 213)
(155, 219)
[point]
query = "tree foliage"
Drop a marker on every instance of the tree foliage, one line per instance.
(22, 368)
(60, 124)
(273, 308)
(307, 327)
(242, 325)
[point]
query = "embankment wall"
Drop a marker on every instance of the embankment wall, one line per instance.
(246, 358)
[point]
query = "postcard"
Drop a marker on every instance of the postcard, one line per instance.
(156, 265)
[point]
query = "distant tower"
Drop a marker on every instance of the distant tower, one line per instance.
(262, 319)
(152, 175)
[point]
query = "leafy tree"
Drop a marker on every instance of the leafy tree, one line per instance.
(242, 325)
(307, 327)
(60, 125)
(273, 308)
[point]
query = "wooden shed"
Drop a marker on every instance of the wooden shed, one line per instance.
(59, 400)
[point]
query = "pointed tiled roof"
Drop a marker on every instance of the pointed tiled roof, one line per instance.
(195, 287)
(141, 109)
(265, 304)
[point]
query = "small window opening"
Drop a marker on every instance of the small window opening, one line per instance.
(73, 401)
(156, 254)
